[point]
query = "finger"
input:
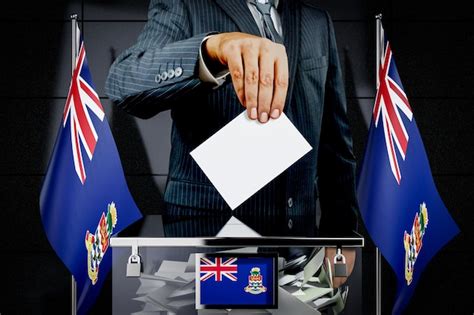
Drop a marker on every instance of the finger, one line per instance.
(236, 70)
(280, 87)
(250, 57)
(265, 86)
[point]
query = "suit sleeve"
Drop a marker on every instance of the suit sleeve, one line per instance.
(162, 67)
(336, 161)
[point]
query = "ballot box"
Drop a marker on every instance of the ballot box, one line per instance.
(226, 265)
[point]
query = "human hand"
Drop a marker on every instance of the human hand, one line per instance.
(350, 255)
(258, 68)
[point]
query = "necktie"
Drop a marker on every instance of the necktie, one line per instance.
(268, 27)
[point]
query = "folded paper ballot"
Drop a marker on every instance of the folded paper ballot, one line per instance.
(313, 266)
(313, 294)
(245, 155)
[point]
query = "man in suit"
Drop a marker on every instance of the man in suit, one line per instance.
(207, 60)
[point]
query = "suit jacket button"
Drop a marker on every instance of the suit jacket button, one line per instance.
(171, 74)
(164, 76)
(290, 224)
(290, 202)
(158, 78)
(178, 71)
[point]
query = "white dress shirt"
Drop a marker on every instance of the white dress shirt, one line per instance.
(219, 78)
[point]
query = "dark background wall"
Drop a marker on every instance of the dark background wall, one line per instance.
(433, 46)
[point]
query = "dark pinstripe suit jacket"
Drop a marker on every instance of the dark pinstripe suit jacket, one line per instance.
(316, 105)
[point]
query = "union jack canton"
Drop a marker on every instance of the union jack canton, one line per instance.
(215, 267)
(82, 96)
(390, 100)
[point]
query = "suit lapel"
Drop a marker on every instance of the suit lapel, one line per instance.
(240, 14)
(290, 20)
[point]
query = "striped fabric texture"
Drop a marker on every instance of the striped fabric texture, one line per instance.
(316, 104)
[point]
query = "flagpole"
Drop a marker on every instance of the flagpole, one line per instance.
(73, 64)
(378, 256)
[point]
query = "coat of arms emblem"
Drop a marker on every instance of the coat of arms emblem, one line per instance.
(255, 282)
(413, 241)
(98, 243)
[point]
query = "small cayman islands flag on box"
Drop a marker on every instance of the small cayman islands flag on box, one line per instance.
(236, 281)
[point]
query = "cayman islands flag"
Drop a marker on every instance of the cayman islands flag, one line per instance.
(85, 199)
(399, 203)
(242, 281)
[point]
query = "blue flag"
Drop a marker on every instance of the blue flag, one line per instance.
(236, 282)
(85, 199)
(399, 203)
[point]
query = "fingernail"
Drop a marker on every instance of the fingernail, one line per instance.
(263, 117)
(253, 113)
(275, 113)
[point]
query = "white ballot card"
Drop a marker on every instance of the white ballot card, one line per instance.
(245, 155)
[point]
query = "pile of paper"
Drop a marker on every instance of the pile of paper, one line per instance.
(170, 290)
(305, 288)
(309, 279)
